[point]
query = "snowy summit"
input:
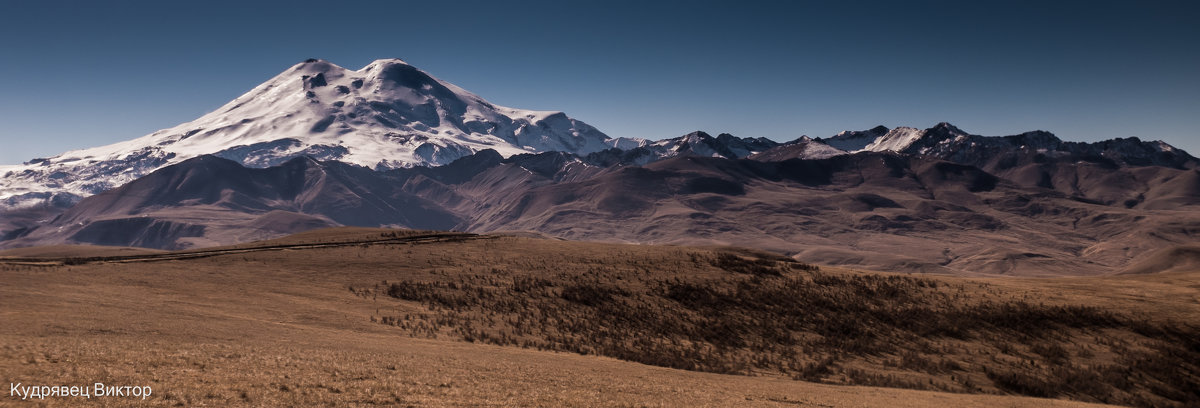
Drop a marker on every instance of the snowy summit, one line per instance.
(388, 114)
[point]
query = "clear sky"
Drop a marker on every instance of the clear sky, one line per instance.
(83, 73)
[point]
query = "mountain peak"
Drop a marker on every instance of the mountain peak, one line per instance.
(382, 62)
(854, 140)
(388, 114)
(895, 140)
(915, 141)
(313, 66)
(318, 64)
(1037, 139)
(948, 128)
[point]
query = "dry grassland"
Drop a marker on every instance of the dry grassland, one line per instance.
(503, 321)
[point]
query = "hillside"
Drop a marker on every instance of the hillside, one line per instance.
(883, 211)
(388, 317)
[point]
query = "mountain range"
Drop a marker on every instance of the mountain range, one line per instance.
(389, 145)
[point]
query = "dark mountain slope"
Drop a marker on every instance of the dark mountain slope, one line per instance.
(212, 199)
(880, 210)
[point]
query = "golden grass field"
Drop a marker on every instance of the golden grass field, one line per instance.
(520, 321)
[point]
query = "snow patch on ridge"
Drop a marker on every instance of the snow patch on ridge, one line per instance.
(895, 140)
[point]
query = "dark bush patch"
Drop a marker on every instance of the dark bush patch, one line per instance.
(591, 295)
(728, 313)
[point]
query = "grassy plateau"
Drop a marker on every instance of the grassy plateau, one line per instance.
(358, 317)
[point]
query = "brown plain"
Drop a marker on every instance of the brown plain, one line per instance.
(301, 326)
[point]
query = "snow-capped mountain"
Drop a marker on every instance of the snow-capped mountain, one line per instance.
(895, 140)
(851, 140)
(947, 142)
(388, 114)
(702, 144)
(803, 148)
(642, 151)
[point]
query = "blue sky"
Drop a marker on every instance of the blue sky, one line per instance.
(80, 74)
